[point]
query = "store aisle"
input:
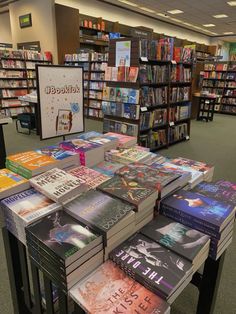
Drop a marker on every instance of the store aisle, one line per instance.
(213, 142)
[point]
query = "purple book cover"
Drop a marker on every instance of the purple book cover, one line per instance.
(78, 146)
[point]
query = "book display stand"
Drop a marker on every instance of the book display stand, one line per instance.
(206, 108)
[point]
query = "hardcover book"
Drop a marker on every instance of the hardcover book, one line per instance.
(177, 237)
(99, 211)
(130, 191)
(55, 152)
(152, 264)
(124, 140)
(109, 290)
(108, 168)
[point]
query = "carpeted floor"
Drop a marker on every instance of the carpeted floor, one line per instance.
(213, 142)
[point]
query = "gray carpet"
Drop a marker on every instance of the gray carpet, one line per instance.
(213, 142)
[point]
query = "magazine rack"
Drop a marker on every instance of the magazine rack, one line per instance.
(23, 302)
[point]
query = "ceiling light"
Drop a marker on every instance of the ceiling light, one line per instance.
(163, 15)
(208, 25)
(147, 9)
(175, 20)
(220, 16)
(214, 33)
(188, 24)
(232, 3)
(128, 3)
(228, 33)
(176, 11)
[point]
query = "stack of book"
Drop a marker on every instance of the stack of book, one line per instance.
(110, 217)
(11, 183)
(58, 185)
(202, 213)
(124, 141)
(30, 164)
(108, 168)
(154, 266)
(90, 153)
(108, 142)
(109, 290)
(24, 208)
(64, 249)
(91, 177)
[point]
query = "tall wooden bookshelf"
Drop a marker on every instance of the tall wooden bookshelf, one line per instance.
(18, 78)
(166, 127)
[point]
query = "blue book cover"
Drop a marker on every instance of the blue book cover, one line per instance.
(88, 135)
(55, 152)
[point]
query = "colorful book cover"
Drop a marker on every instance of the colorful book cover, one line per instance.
(133, 96)
(112, 94)
(118, 94)
(98, 210)
(78, 145)
(195, 165)
(199, 208)
(109, 290)
(55, 152)
(108, 168)
(124, 140)
(127, 190)
(150, 263)
(30, 205)
(133, 154)
(88, 135)
(121, 74)
(9, 179)
(62, 234)
(175, 236)
(133, 74)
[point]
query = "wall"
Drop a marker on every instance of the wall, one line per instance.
(43, 24)
(5, 28)
(108, 12)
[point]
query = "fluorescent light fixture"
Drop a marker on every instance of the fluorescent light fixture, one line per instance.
(208, 25)
(163, 15)
(232, 3)
(175, 20)
(188, 24)
(228, 33)
(176, 11)
(128, 3)
(220, 16)
(214, 33)
(147, 9)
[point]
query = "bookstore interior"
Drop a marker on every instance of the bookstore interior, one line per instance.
(117, 156)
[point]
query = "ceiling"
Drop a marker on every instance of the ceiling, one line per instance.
(195, 13)
(4, 3)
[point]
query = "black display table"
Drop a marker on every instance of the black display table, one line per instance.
(2, 142)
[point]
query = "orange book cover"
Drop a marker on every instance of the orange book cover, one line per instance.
(109, 290)
(9, 179)
(133, 74)
(121, 74)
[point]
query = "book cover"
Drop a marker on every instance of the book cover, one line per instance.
(30, 205)
(78, 145)
(55, 152)
(149, 262)
(88, 135)
(98, 210)
(175, 236)
(133, 74)
(9, 179)
(124, 140)
(62, 234)
(127, 190)
(109, 290)
(108, 168)
(121, 75)
(195, 165)
(200, 208)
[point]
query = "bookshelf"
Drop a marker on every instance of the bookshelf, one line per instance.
(220, 80)
(160, 115)
(94, 64)
(18, 78)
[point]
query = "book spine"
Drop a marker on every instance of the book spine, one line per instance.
(188, 221)
(24, 172)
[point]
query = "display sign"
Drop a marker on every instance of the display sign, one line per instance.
(60, 96)
(25, 20)
(123, 50)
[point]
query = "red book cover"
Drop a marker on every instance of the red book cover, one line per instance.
(133, 74)
(177, 54)
(121, 74)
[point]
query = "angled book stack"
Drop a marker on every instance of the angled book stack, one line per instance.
(154, 266)
(63, 248)
(109, 290)
(90, 153)
(108, 168)
(110, 217)
(30, 164)
(202, 213)
(24, 208)
(124, 141)
(58, 185)
(107, 141)
(11, 183)
(92, 178)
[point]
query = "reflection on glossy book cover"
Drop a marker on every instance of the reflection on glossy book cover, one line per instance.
(63, 234)
(199, 206)
(98, 209)
(9, 179)
(30, 204)
(109, 290)
(152, 263)
(175, 236)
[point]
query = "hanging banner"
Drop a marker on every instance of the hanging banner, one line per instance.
(60, 96)
(123, 50)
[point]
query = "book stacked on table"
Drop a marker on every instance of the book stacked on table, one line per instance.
(124, 141)
(142, 197)
(205, 214)
(29, 164)
(92, 178)
(24, 208)
(154, 266)
(110, 217)
(90, 153)
(109, 290)
(58, 185)
(63, 248)
(189, 243)
(108, 168)
(107, 141)
(64, 158)
(11, 183)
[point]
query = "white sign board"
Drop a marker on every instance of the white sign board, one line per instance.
(123, 50)
(60, 95)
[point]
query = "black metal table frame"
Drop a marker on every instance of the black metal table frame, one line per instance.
(2, 147)
(25, 303)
